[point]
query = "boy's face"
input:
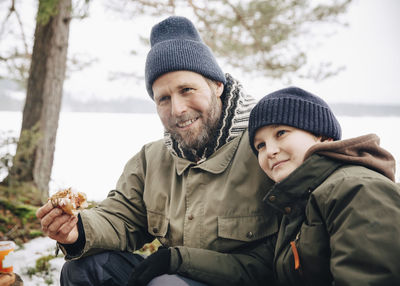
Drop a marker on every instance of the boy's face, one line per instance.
(281, 149)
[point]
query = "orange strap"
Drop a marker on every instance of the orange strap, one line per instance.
(295, 255)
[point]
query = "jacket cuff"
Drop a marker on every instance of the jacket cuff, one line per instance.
(175, 262)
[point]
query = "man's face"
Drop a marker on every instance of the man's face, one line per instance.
(281, 149)
(189, 107)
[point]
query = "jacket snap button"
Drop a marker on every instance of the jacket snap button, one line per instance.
(249, 234)
(272, 198)
(190, 217)
(155, 230)
(288, 210)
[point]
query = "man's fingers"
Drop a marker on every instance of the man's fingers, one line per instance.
(146, 277)
(68, 232)
(57, 223)
(68, 226)
(50, 217)
(137, 272)
(42, 211)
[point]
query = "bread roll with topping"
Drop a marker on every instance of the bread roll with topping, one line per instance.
(71, 202)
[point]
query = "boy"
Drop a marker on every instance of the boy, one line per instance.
(340, 206)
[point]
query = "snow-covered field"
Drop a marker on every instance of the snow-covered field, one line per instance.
(25, 258)
(92, 149)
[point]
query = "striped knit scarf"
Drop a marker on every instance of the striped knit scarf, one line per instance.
(236, 107)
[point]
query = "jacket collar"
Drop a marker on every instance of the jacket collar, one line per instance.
(287, 195)
(216, 163)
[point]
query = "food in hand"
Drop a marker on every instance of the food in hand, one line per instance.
(71, 202)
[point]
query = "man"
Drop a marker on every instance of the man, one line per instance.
(199, 191)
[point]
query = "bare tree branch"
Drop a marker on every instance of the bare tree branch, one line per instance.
(21, 27)
(10, 11)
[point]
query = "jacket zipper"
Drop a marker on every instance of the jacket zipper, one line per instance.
(295, 252)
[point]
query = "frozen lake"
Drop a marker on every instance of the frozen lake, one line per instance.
(92, 148)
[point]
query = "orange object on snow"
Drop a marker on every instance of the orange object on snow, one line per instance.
(6, 260)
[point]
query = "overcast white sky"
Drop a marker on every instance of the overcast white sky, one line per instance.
(368, 48)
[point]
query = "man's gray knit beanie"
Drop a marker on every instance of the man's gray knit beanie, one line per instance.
(176, 45)
(294, 107)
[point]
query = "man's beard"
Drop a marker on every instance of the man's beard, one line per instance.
(207, 131)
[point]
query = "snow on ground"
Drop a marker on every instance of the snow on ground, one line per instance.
(25, 258)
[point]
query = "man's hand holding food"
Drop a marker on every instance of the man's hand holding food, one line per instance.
(58, 217)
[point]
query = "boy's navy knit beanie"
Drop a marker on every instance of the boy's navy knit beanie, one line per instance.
(176, 45)
(294, 107)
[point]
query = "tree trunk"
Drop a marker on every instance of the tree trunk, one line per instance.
(43, 99)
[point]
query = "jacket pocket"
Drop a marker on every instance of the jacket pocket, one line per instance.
(286, 263)
(246, 228)
(314, 251)
(157, 224)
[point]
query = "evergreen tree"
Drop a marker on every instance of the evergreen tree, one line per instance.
(264, 37)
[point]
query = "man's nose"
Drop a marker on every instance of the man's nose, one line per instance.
(179, 105)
